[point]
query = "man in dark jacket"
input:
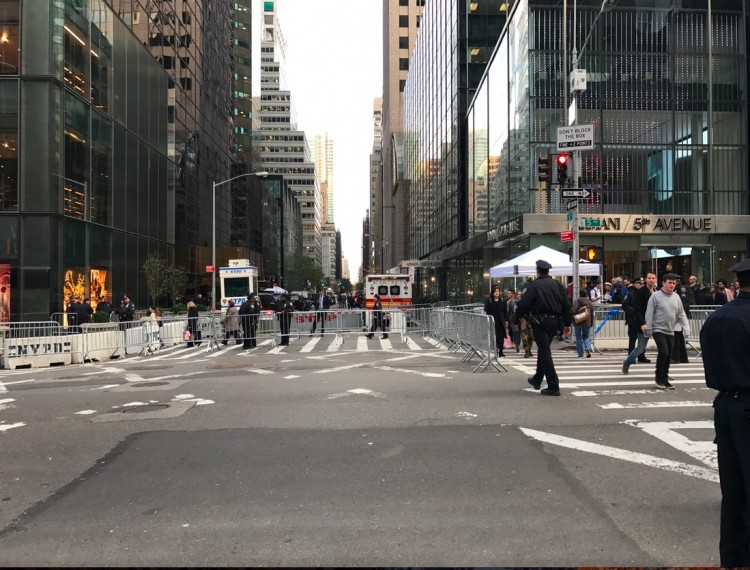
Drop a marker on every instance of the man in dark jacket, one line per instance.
(637, 323)
(126, 312)
(84, 312)
(545, 304)
(322, 304)
(249, 312)
(104, 306)
(284, 310)
(377, 318)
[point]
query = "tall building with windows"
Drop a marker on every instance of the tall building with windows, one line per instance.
(667, 174)
(375, 263)
(116, 117)
(401, 24)
(322, 152)
(454, 44)
(281, 147)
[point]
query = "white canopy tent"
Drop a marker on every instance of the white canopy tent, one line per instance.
(525, 264)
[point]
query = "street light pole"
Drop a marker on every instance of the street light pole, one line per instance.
(575, 90)
(261, 174)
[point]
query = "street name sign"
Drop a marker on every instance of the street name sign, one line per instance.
(569, 217)
(210, 269)
(571, 205)
(592, 223)
(567, 235)
(575, 137)
(575, 193)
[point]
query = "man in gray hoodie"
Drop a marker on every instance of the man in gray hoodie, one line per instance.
(664, 310)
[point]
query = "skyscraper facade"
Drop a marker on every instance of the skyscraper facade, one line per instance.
(281, 147)
(375, 263)
(401, 24)
(115, 120)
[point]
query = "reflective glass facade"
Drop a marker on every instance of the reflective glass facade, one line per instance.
(666, 96)
(114, 118)
(454, 41)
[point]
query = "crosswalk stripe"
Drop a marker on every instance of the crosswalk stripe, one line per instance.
(591, 393)
(362, 344)
(385, 344)
(335, 345)
(629, 383)
(411, 345)
(310, 344)
(224, 350)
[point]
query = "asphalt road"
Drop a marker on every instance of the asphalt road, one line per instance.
(326, 455)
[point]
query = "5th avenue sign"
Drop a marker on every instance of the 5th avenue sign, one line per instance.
(649, 224)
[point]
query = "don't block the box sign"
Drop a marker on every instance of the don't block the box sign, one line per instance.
(36, 351)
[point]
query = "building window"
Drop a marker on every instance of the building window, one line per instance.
(403, 63)
(403, 21)
(419, 20)
(403, 2)
(401, 85)
(403, 42)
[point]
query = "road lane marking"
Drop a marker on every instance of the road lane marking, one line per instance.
(624, 455)
(335, 345)
(6, 427)
(407, 371)
(645, 405)
(340, 368)
(310, 344)
(702, 450)
(362, 344)
(356, 391)
(411, 345)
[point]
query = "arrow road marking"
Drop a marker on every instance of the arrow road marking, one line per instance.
(631, 456)
(644, 405)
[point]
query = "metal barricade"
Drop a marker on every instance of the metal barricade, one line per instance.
(43, 343)
(476, 336)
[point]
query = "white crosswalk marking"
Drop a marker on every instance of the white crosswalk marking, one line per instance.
(310, 344)
(411, 345)
(643, 405)
(335, 344)
(385, 344)
(362, 344)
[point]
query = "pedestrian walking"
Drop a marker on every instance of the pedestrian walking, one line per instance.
(153, 334)
(663, 311)
(513, 325)
(249, 312)
(635, 310)
(377, 318)
(496, 308)
(679, 351)
(583, 323)
(725, 342)
(322, 304)
(284, 310)
(545, 304)
(231, 322)
(193, 326)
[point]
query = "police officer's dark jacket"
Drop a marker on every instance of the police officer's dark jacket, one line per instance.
(545, 297)
(725, 342)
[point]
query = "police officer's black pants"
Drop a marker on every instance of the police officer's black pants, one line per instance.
(545, 368)
(320, 316)
(664, 343)
(732, 425)
(284, 326)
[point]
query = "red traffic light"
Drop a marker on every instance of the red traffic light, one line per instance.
(562, 159)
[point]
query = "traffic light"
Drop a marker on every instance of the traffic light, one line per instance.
(544, 172)
(563, 161)
(592, 253)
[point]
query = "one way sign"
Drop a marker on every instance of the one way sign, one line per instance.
(575, 193)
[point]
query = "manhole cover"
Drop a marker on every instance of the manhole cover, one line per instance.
(150, 367)
(148, 384)
(145, 408)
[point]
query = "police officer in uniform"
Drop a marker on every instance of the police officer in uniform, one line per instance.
(725, 342)
(284, 310)
(546, 305)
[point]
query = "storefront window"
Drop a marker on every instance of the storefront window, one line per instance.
(9, 37)
(8, 145)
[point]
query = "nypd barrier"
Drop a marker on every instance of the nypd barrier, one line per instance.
(36, 344)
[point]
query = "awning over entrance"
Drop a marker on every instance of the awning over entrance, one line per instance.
(525, 264)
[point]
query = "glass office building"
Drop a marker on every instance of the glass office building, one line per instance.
(455, 40)
(667, 175)
(115, 117)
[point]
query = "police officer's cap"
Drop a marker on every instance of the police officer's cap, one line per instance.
(741, 267)
(377, 296)
(251, 295)
(541, 264)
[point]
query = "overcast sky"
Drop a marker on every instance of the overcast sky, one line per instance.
(334, 70)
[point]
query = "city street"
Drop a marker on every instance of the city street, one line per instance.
(361, 452)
